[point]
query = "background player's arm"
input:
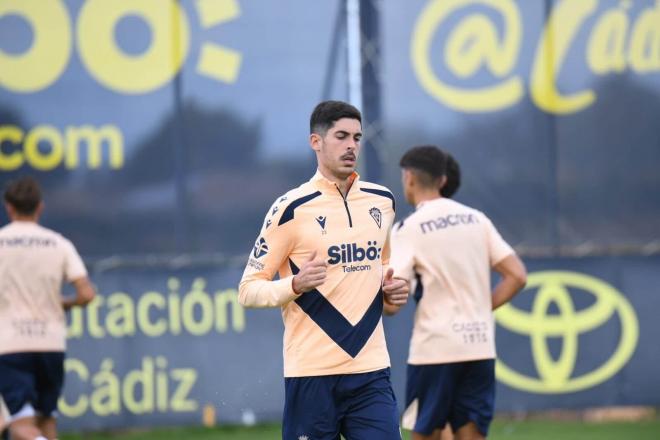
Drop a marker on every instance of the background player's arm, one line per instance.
(505, 262)
(399, 257)
(76, 274)
(514, 278)
(85, 293)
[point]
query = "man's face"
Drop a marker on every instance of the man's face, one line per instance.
(338, 150)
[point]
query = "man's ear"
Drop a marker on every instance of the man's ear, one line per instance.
(442, 181)
(409, 177)
(10, 211)
(315, 141)
(40, 209)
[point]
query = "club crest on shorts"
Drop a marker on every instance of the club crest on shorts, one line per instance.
(376, 215)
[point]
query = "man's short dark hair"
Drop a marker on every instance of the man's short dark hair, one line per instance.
(428, 162)
(453, 178)
(326, 113)
(24, 195)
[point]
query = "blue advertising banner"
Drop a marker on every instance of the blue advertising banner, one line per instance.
(177, 348)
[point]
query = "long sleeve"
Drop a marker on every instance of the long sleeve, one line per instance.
(256, 292)
(271, 250)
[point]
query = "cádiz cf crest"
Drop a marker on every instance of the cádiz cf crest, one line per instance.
(376, 215)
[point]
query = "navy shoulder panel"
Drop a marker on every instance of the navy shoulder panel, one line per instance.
(288, 212)
(382, 193)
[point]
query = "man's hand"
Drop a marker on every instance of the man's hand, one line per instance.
(85, 293)
(312, 274)
(395, 289)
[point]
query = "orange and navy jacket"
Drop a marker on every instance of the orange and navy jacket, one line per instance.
(335, 328)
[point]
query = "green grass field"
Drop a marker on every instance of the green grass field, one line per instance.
(510, 430)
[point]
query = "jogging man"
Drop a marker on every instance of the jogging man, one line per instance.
(34, 262)
(449, 249)
(328, 239)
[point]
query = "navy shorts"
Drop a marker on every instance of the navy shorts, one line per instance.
(357, 406)
(454, 393)
(34, 378)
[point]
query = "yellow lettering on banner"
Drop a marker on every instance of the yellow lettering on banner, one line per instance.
(186, 378)
(148, 327)
(139, 391)
(162, 388)
(563, 25)
(79, 407)
(224, 300)
(473, 44)
(92, 310)
(49, 54)
(14, 135)
(155, 314)
(645, 41)
(95, 139)
(606, 50)
(76, 326)
(120, 320)
(106, 399)
(197, 297)
(44, 135)
(125, 73)
(174, 300)
(140, 378)
(217, 62)
(45, 148)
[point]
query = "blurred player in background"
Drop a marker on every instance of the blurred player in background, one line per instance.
(449, 249)
(34, 263)
(328, 239)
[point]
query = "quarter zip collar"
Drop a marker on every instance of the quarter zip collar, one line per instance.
(326, 185)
